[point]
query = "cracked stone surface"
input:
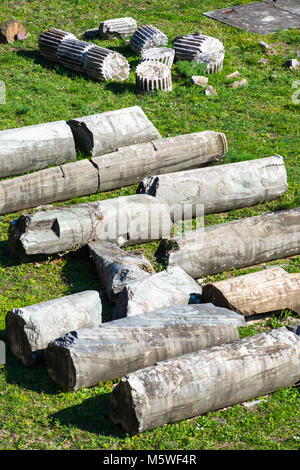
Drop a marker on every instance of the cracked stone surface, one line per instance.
(260, 17)
(87, 356)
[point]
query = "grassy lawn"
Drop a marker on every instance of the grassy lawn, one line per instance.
(259, 120)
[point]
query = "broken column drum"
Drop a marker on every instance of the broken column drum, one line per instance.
(127, 220)
(161, 54)
(206, 380)
(49, 41)
(265, 291)
(121, 168)
(152, 75)
(71, 53)
(162, 289)
(236, 244)
(221, 187)
(35, 147)
(85, 357)
(52, 184)
(200, 48)
(30, 329)
(118, 268)
(118, 27)
(146, 37)
(106, 132)
(183, 152)
(104, 64)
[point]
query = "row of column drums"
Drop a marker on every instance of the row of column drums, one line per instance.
(101, 63)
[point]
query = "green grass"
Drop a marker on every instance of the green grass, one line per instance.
(259, 120)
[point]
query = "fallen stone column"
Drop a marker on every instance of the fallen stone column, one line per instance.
(85, 357)
(202, 49)
(183, 152)
(104, 64)
(118, 268)
(219, 188)
(71, 53)
(106, 132)
(49, 41)
(127, 220)
(206, 380)
(52, 184)
(118, 27)
(30, 329)
(152, 75)
(35, 147)
(123, 167)
(146, 37)
(163, 289)
(237, 244)
(265, 291)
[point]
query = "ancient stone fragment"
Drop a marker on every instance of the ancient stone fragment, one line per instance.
(235, 244)
(292, 64)
(106, 132)
(219, 188)
(266, 48)
(49, 41)
(71, 53)
(85, 357)
(210, 90)
(152, 75)
(118, 268)
(30, 329)
(265, 291)
(104, 64)
(233, 75)
(199, 80)
(161, 54)
(35, 147)
(206, 380)
(127, 220)
(146, 37)
(58, 183)
(163, 289)
(239, 83)
(12, 30)
(129, 164)
(201, 49)
(118, 27)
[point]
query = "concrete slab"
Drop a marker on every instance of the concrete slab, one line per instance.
(260, 17)
(292, 6)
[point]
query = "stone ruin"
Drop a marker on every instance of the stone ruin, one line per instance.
(165, 324)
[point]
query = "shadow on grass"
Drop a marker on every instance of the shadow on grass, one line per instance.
(7, 260)
(80, 274)
(92, 415)
(56, 67)
(120, 87)
(34, 378)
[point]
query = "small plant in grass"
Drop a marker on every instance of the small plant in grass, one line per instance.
(188, 69)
